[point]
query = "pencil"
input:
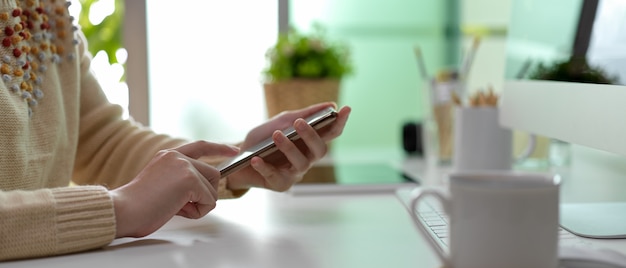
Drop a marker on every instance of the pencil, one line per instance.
(456, 100)
(469, 58)
(420, 63)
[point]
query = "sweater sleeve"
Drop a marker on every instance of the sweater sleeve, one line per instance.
(112, 150)
(54, 221)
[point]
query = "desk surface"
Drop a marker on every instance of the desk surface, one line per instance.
(269, 229)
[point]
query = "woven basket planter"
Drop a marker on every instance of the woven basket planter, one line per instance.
(296, 94)
(299, 93)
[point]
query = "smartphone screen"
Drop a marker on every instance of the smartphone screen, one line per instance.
(267, 146)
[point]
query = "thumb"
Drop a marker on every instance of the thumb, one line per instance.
(198, 149)
(310, 110)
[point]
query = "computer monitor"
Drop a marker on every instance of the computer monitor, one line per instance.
(565, 79)
(544, 32)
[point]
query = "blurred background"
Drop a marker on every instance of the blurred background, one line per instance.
(204, 59)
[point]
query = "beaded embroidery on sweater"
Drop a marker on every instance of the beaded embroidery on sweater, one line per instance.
(33, 34)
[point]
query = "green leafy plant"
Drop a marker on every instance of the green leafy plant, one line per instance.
(574, 69)
(105, 36)
(298, 55)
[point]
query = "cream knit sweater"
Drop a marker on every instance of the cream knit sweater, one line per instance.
(57, 126)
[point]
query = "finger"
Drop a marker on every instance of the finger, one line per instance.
(204, 195)
(203, 148)
(209, 173)
(297, 159)
(271, 175)
(193, 210)
(206, 174)
(264, 169)
(336, 128)
(286, 119)
(307, 111)
(314, 143)
(189, 210)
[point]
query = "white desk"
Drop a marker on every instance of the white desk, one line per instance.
(268, 229)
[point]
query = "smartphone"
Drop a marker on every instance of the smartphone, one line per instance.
(267, 146)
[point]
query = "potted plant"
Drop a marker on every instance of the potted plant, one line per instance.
(572, 69)
(304, 69)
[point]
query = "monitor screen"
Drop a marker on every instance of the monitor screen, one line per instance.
(566, 71)
(566, 79)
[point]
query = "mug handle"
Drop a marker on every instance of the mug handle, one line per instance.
(530, 148)
(416, 196)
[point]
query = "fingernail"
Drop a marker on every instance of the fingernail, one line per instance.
(254, 162)
(234, 148)
(279, 137)
(300, 124)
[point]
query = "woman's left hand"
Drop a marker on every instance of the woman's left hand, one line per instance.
(280, 170)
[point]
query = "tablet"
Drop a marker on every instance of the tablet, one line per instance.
(342, 178)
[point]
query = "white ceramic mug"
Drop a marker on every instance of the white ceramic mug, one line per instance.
(480, 143)
(496, 219)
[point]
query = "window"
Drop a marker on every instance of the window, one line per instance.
(205, 63)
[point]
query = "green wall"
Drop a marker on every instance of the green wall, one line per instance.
(386, 89)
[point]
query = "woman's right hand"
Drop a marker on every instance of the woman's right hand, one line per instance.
(174, 182)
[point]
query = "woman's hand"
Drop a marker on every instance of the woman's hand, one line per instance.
(173, 183)
(280, 170)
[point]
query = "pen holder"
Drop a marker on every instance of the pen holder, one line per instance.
(481, 143)
(440, 120)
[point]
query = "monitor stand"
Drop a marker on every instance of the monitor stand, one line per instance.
(594, 220)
